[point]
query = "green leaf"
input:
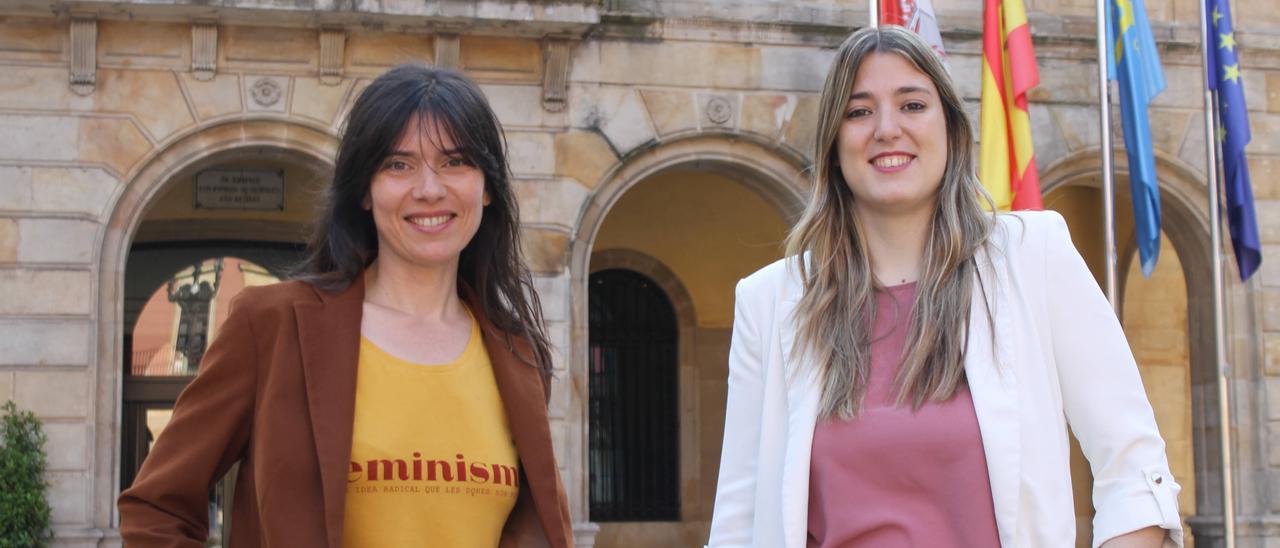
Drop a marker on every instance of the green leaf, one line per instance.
(24, 506)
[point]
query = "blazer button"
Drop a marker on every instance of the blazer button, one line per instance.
(1157, 478)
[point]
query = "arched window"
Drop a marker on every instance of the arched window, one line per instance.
(634, 420)
(177, 295)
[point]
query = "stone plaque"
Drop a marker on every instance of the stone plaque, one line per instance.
(240, 189)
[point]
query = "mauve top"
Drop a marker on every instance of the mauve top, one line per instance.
(895, 477)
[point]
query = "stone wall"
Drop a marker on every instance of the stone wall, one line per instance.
(103, 103)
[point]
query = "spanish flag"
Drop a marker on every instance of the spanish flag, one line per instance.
(1006, 158)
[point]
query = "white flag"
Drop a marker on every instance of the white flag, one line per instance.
(917, 15)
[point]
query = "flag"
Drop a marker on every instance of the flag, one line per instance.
(916, 15)
(1006, 158)
(1136, 65)
(1233, 135)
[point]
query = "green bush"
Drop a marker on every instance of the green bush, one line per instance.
(24, 512)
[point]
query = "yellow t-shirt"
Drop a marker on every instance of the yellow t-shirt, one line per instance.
(432, 459)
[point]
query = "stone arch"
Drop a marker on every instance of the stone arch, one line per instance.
(1184, 203)
(1185, 220)
(306, 143)
(772, 172)
(652, 268)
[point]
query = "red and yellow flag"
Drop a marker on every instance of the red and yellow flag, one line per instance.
(1006, 158)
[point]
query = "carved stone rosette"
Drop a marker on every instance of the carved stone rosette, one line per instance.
(266, 92)
(719, 111)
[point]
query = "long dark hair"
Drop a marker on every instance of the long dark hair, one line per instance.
(344, 240)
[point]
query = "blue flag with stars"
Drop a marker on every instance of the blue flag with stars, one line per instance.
(1136, 65)
(1233, 135)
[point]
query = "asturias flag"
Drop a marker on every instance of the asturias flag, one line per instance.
(916, 15)
(1136, 65)
(1233, 135)
(1006, 158)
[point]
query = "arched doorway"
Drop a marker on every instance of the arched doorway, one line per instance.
(166, 339)
(705, 212)
(229, 221)
(634, 462)
(218, 210)
(1166, 320)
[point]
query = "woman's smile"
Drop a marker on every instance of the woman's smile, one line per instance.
(431, 222)
(891, 162)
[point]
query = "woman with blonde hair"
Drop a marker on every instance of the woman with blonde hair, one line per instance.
(907, 376)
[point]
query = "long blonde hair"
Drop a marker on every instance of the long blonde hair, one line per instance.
(838, 304)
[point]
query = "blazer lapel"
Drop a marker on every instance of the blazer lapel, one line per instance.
(523, 397)
(803, 395)
(788, 297)
(787, 334)
(329, 337)
(993, 383)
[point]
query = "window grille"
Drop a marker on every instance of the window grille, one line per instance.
(634, 420)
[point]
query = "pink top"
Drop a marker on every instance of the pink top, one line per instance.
(893, 477)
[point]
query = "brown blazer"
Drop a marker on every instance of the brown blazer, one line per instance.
(276, 392)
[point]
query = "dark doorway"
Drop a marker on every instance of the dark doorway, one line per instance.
(634, 419)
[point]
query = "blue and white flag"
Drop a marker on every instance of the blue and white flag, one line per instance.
(1136, 65)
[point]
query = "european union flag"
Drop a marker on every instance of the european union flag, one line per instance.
(1136, 65)
(1233, 135)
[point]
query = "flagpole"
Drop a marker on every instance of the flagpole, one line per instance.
(873, 13)
(1219, 329)
(1108, 179)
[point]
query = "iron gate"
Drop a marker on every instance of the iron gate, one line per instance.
(634, 420)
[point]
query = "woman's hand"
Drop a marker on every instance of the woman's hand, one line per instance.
(1150, 537)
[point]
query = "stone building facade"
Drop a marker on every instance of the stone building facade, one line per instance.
(667, 138)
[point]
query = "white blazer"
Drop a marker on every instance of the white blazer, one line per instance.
(1060, 358)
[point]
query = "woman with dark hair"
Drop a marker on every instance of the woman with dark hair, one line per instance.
(906, 377)
(395, 394)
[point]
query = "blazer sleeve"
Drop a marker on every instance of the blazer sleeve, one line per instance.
(1104, 400)
(732, 519)
(168, 504)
